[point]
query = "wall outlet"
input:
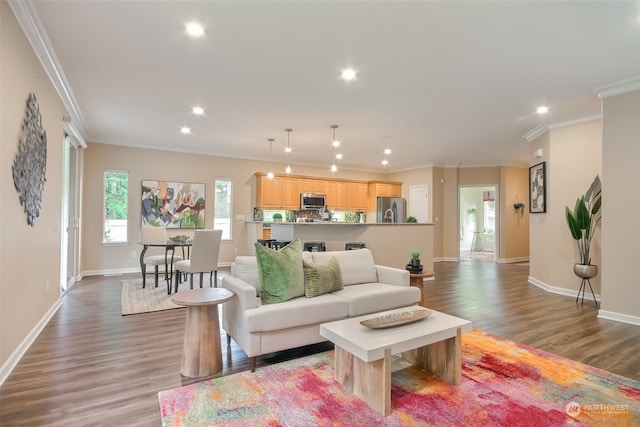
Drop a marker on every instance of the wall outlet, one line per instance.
(46, 285)
(240, 217)
(133, 254)
(235, 250)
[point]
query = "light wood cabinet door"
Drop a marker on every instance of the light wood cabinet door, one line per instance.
(363, 197)
(307, 186)
(342, 190)
(291, 193)
(269, 192)
(319, 186)
(332, 195)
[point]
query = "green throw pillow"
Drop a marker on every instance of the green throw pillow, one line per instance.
(322, 278)
(281, 273)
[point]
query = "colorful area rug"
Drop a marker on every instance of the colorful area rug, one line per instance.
(503, 384)
(136, 300)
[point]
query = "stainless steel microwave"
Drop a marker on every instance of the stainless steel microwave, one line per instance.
(313, 201)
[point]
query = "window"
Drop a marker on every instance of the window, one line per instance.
(116, 190)
(222, 212)
(490, 217)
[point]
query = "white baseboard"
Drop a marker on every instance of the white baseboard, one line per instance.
(513, 260)
(116, 271)
(14, 358)
(619, 317)
(603, 314)
(446, 259)
(556, 290)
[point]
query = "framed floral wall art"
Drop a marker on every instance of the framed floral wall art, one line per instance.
(172, 204)
(537, 189)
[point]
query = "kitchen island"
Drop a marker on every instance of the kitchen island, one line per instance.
(391, 244)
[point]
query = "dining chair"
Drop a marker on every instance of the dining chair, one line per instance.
(204, 258)
(157, 257)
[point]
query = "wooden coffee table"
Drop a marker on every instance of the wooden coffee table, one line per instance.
(201, 352)
(363, 355)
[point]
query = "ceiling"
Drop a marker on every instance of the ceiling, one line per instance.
(439, 83)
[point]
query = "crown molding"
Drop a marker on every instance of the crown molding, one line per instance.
(29, 20)
(544, 127)
(618, 88)
(536, 132)
(591, 117)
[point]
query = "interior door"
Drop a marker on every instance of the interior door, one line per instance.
(419, 202)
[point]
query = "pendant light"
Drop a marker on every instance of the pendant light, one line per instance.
(270, 173)
(335, 143)
(288, 150)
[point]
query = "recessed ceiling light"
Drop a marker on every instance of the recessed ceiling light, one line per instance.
(194, 29)
(542, 110)
(339, 156)
(198, 111)
(334, 168)
(385, 162)
(387, 151)
(185, 130)
(348, 74)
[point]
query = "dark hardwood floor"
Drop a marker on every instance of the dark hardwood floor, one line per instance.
(93, 367)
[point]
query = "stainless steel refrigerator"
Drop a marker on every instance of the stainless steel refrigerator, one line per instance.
(391, 210)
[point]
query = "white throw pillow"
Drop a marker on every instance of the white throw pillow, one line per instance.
(357, 265)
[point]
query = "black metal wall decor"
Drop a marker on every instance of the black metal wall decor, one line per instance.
(31, 161)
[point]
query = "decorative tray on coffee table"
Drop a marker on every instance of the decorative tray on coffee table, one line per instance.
(396, 319)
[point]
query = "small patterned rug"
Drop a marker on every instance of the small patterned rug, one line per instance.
(503, 384)
(136, 300)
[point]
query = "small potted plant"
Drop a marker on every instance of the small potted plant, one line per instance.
(415, 260)
(412, 220)
(277, 217)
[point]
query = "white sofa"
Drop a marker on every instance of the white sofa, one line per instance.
(264, 328)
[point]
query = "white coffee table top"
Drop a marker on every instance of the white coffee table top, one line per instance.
(368, 344)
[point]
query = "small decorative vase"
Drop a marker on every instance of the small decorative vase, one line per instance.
(415, 262)
(585, 271)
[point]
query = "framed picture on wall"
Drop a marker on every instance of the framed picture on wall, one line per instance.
(172, 204)
(537, 188)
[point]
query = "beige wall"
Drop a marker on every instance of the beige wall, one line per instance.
(142, 164)
(514, 224)
(620, 235)
(574, 157)
(24, 298)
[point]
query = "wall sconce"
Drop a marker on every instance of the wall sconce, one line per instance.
(517, 205)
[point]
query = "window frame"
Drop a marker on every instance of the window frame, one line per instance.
(104, 209)
(230, 204)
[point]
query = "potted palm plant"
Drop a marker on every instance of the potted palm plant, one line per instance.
(582, 221)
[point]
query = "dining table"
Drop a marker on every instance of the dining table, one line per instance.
(169, 248)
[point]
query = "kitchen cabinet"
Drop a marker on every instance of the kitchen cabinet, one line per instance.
(291, 189)
(283, 192)
(319, 186)
(308, 186)
(268, 192)
(331, 188)
(383, 189)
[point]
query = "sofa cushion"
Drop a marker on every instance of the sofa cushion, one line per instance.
(374, 297)
(246, 268)
(295, 313)
(357, 266)
(281, 272)
(320, 279)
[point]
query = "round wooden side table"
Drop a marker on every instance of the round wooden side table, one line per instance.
(417, 280)
(201, 351)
